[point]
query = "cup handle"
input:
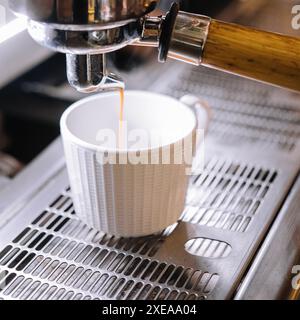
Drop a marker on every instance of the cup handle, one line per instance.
(201, 109)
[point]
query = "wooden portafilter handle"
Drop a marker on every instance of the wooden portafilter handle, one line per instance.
(269, 57)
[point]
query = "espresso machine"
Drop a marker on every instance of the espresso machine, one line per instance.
(238, 236)
(86, 30)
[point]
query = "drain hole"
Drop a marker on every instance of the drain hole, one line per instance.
(208, 248)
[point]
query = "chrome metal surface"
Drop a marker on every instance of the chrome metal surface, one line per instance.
(88, 73)
(245, 112)
(84, 12)
(151, 29)
(98, 27)
(189, 37)
(84, 28)
(271, 274)
(9, 166)
(47, 253)
(93, 41)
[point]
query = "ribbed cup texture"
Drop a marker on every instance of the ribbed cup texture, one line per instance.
(125, 199)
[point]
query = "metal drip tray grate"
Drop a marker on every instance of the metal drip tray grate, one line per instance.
(56, 256)
(227, 195)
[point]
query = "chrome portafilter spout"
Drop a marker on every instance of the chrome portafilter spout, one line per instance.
(85, 31)
(88, 73)
(85, 50)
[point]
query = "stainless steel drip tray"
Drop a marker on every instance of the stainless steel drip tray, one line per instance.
(47, 253)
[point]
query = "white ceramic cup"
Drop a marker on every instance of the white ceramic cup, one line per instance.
(132, 199)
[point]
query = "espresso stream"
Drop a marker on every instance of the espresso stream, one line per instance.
(121, 118)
